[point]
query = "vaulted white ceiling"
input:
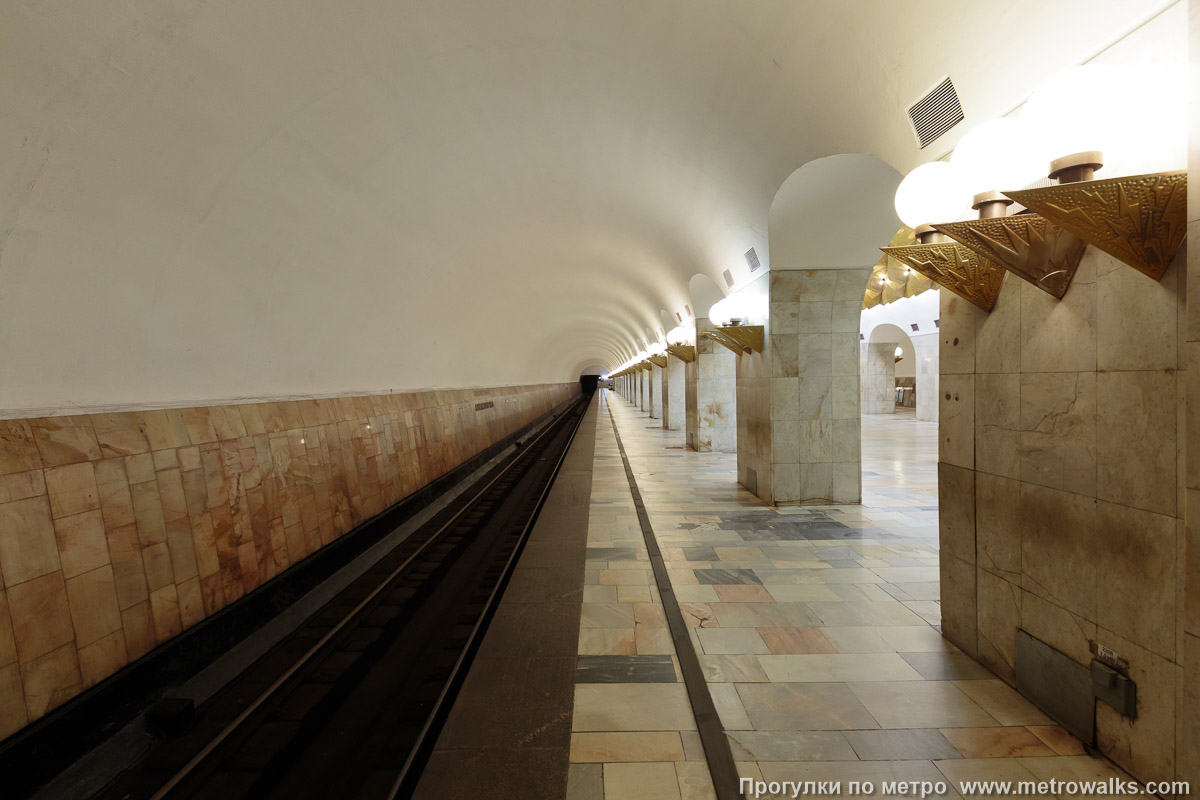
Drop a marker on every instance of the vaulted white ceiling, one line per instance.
(205, 201)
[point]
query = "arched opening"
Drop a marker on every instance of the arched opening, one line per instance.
(888, 373)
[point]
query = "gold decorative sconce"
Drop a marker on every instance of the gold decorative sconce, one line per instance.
(949, 264)
(1028, 245)
(659, 360)
(741, 339)
(1140, 220)
(684, 352)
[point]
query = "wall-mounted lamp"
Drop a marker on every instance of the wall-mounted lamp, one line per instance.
(657, 354)
(899, 356)
(951, 265)
(739, 319)
(1139, 217)
(741, 339)
(1140, 220)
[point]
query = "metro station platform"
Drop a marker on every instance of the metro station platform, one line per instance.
(815, 630)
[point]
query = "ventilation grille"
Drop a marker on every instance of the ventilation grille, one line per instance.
(914, 326)
(678, 317)
(728, 278)
(752, 260)
(484, 406)
(936, 113)
(688, 310)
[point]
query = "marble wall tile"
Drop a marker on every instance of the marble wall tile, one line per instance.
(72, 490)
(998, 525)
(999, 616)
(814, 356)
(959, 603)
(120, 434)
(119, 530)
(1137, 459)
(92, 598)
(1056, 626)
(1144, 746)
(1060, 335)
(41, 617)
(28, 548)
(102, 658)
(1057, 548)
(956, 420)
(956, 512)
(1136, 322)
(998, 424)
(998, 333)
(845, 403)
(50, 680)
(82, 546)
(1134, 552)
(1058, 430)
(957, 330)
(18, 450)
(65, 440)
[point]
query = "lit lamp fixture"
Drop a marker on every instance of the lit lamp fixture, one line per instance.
(996, 153)
(657, 354)
(1140, 216)
(681, 343)
(899, 353)
(931, 192)
(732, 316)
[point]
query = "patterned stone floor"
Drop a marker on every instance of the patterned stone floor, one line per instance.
(816, 626)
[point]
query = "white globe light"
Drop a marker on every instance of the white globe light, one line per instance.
(680, 335)
(1160, 142)
(723, 310)
(899, 351)
(1073, 112)
(996, 155)
(656, 349)
(932, 192)
(641, 356)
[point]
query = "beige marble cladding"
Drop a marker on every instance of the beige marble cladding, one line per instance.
(119, 531)
(711, 395)
(879, 388)
(1062, 488)
(654, 390)
(803, 440)
(1187, 734)
(674, 405)
(926, 349)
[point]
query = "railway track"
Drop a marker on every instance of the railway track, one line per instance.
(351, 703)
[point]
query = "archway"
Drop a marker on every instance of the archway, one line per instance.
(888, 373)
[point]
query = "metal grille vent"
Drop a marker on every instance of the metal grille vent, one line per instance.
(678, 317)
(752, 260)
(688, 310)
(935, 113)
(728, 278)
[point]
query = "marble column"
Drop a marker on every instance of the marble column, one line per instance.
(654, 389)
(711, 395)
(806, 440)
(674, 405)
(879, 394)
(925, 350)
(643, 378)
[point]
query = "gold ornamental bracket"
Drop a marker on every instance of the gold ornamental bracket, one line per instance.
(953, 266)
(644, 365)
(741, 339)
(1140, 220)
(659, 360)
(1028, 245)
(684, 352)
